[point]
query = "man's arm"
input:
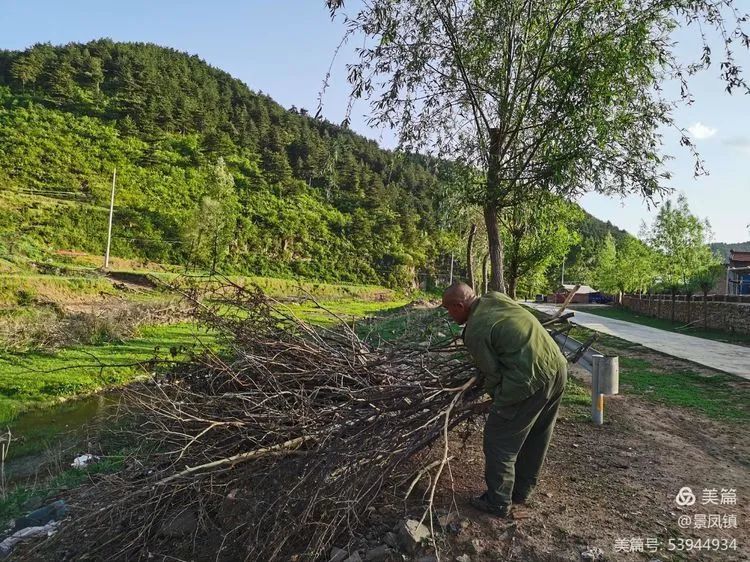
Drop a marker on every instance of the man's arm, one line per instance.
(484, 356)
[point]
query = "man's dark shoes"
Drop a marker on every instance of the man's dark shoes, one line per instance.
(482, 503)
(520, 500)
(523, 497)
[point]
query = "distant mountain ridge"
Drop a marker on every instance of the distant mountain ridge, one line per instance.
(722, 248)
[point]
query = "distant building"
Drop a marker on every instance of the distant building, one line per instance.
(584, 294)
(738, 273)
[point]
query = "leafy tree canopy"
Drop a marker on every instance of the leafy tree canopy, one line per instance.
(562, 96)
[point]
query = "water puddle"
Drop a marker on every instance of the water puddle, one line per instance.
(45, 441)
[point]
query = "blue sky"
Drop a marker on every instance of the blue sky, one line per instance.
(284, 48)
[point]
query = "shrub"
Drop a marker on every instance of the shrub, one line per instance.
(24, 297)
(47, 330)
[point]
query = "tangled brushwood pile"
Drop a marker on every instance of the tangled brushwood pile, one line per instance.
(275, 450)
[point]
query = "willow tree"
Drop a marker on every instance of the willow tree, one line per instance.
(681, 240)
(561, 96)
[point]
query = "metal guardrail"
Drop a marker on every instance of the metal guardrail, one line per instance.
(605, 371)
(577, 352)
(558, 326)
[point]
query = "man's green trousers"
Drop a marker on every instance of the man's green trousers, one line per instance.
(516, 439)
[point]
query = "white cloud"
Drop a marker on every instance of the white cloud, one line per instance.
(701, 131)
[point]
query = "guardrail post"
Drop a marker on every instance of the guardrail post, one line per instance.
(605, 380)
(609, 375)
(597, 399)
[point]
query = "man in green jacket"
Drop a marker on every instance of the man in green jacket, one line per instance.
(525, 374)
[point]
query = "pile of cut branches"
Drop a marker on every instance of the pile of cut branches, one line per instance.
(278, 446)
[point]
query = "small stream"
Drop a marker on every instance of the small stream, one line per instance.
(46, 440)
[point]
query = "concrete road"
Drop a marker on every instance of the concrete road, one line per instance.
(732, 359)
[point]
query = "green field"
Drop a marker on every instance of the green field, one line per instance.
(36, 378)
(80, 283)
(23, 290)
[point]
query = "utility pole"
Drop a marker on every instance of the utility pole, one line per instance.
(111, 212)
(451, 280)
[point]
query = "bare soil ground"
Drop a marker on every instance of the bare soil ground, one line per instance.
(616, 481)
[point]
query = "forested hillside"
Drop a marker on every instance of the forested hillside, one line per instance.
(309, 198)
(209, 172)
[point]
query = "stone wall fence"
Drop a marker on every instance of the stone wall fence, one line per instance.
(729, 313)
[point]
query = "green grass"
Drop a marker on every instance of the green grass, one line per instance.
(23, 290)
(80, 283)
(602, 340)
(348, 310)
(38, 379)
(577, 399)
(717, 396)
(276, 287)
(629, 316)
(576, 393)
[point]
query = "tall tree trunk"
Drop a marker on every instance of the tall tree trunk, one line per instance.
(215, 254)
(194, 248)
(189, 256)
(485, 280)
(497, 282)
(490, 214)
(512, 280)
(513, 261)
(470, 255)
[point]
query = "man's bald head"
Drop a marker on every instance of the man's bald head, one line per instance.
(458, 292)
(457, 299)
